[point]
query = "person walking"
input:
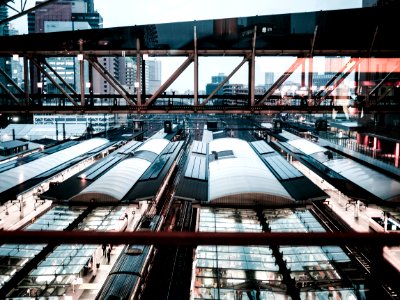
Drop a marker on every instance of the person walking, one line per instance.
(108, 254)
(104, 250)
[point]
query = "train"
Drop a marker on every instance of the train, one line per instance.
(126, 280)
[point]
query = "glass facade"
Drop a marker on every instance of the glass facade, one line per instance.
(255, 272)
(234, 272)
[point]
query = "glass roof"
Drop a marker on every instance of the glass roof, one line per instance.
(16, 256)
(66, 263)
(238, 272)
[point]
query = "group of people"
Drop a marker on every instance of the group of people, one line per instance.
(107, 252)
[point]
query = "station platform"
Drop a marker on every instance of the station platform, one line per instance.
(91, 283)
(14, 215)
(345, 208)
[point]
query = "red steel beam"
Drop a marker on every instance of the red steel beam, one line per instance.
(201, 238)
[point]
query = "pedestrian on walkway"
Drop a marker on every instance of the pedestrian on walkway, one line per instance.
(104, 250)
(108, 254)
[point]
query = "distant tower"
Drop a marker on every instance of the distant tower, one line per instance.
(269, 79)
(153, 76)
(3, 15)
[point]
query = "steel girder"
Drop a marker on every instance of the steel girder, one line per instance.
(202, 238)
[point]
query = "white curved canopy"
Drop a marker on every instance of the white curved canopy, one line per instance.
(243, 178)
(306, 146)
(20, 174)
(376, 183)
(154, 145)
(114, 184)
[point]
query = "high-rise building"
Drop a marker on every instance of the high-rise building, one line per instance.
(3, 16)
(70, 15)
(65, 15)
(215, 81)
(153, 76)
(269, 79)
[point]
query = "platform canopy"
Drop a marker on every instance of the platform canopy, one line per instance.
(239, 175)
(22, 173)
(114, 184)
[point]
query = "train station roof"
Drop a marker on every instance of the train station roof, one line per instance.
(231, 171)
(367, 184)
(20, 174)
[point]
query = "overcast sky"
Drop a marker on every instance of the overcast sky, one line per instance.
(138, 12)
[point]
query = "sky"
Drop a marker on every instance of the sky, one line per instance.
(117, 13)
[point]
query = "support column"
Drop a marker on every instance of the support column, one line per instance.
(138, 88)
(310, 80)
(396, 155)
(143, 81)
(252, 69)
(385, 221)
(82, 74)
(311, 68)
(91, 85)
(26, 81)
(196, 70)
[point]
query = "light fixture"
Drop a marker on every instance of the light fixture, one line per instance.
(145, 56)
(40, 84)
(80, 56)
(88, 85)
(15, 57)
(136, 84)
